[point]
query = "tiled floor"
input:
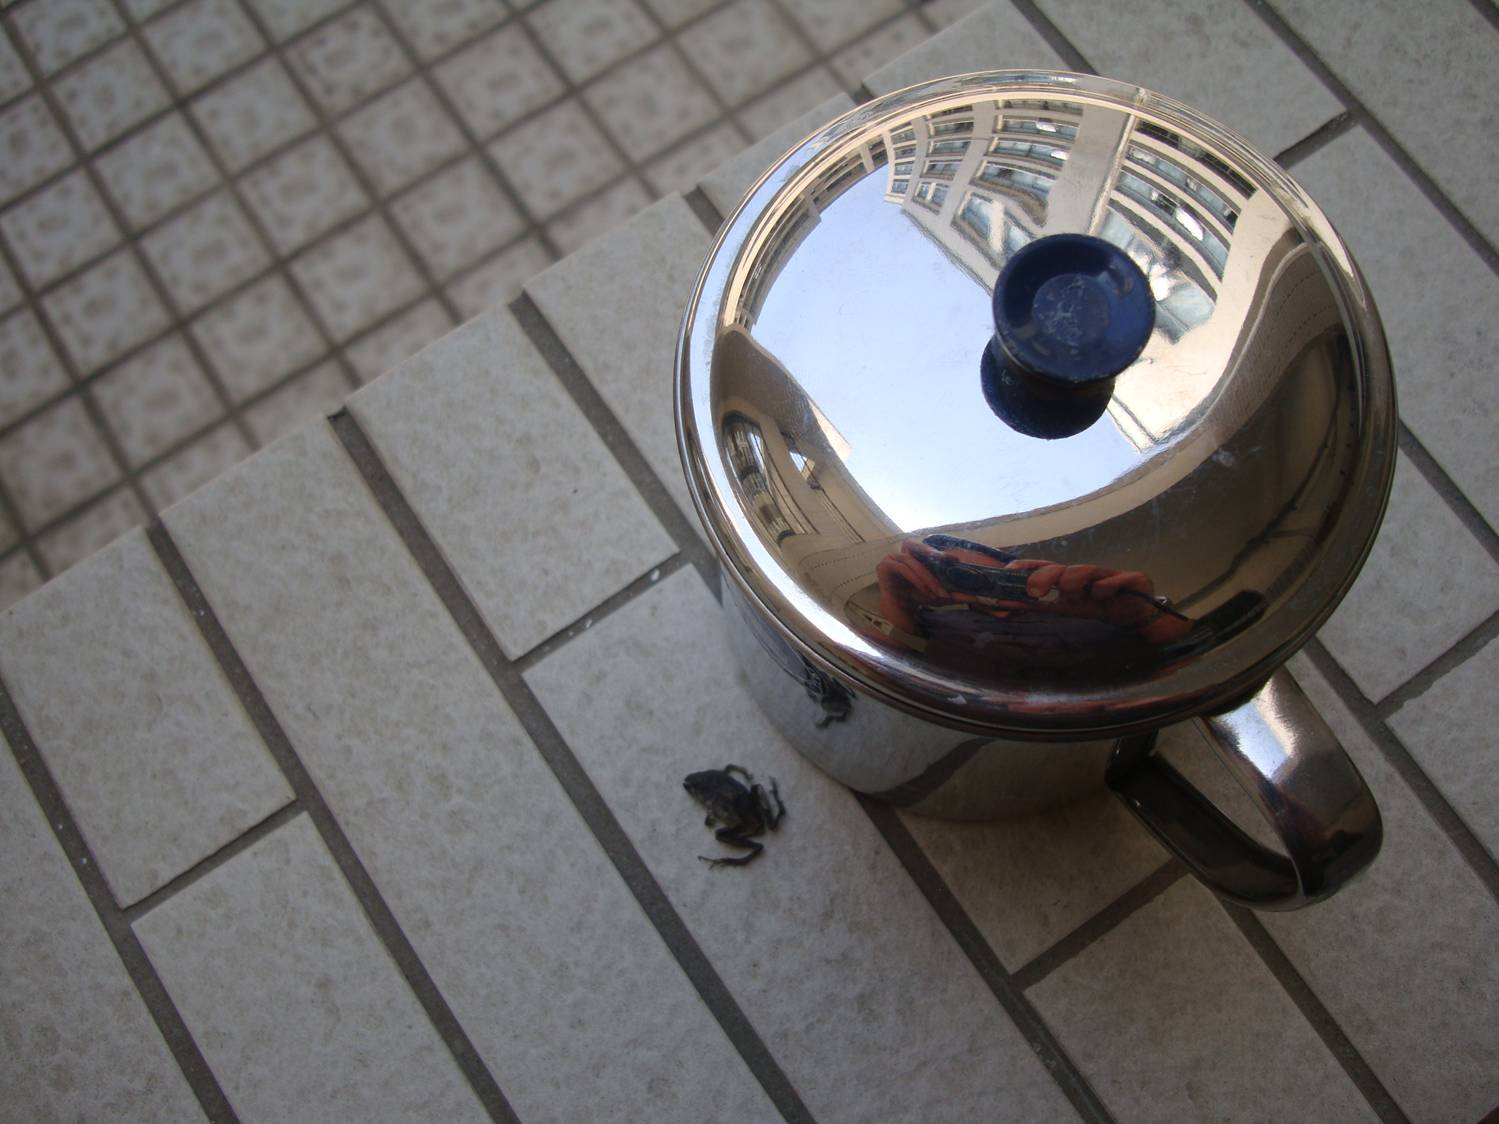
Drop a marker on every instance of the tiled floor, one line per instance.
(325, 798)
(219, 216)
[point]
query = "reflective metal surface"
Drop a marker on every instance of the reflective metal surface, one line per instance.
(912, 545)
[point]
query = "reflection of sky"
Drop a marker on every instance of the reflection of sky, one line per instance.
(931, 452)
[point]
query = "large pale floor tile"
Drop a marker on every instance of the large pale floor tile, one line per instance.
(1427, 76)
(527, 505)
(138, 725)
(726, 184)
(544, 956)
(1172, 1016)
(1215, 55)
(79, 1043)
(296, 1006)
(617, 305)
(1439, 302)
(1403, 957)
(835, 957)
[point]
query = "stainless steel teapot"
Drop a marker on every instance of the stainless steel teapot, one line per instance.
(1028, 413)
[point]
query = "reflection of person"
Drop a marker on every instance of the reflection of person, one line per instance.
(966, 601)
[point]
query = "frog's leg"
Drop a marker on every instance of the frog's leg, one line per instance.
(742, 771)
(733, 838)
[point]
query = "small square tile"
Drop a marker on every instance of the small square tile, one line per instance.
(401, 135)
(32, 147)
(457, 217)
(835, 23)
(346, 61)
(674, 13)
(110, 93)
(91, 530)
(995, 37)
(253, 113)
(160, 167)
(303, 192)
(206, 251)
(581, 224)
(531, 463)
(285, 18)
(435, 26)
(59, 228)
(194, 466)
(315, 394)
(744, 49)
(770, 112)
(498, 281)
(876, 49)
(498, 80)
(201, 40)
(682, 167)
(142, 10)
(624, 336)
(256, 336)
(54, 461)
(18, 577)
(398, 339)
(15, 79)
(1402, 612)
(29, 371)
(726, 185)
(555, 158)
(586, 37)
(651, 104)
(311, 992)
(109, 308)
(356, 277)
(59, 31)
(156, 398)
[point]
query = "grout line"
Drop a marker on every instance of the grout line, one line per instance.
(1100, 924)
(1444, 486)
(1338, 1044)
(210, 863)
(1318, 139)
(1462, 838)
(1385, 139)
(1002, 984)
(371, 901)
(596, 615)
(618, 440)
(698, 202)
(1049, 31)
(573, 778)
(673, 41)
(1421, 682)
(142, 972)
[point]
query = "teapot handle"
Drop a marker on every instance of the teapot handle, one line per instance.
(1303, 782)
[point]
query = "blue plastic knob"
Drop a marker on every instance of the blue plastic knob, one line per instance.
(1071, 310)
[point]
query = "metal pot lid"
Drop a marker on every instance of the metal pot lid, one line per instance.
(1036, 403)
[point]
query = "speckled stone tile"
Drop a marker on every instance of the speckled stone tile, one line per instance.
(877, 48)
(205, 251)
(498, 280)
(79, 1042)
(257, 336)
(624, 336)
(54, 461)
(312, 394)
(154, 171)
(744, 48)
(401, 135)
(296, 1006)
(1438, 300)
(32, 147)
(1028, 882)
(498, 80)
(398, 338)
(59, 31)
(93, 528)
(556, 157)
(29, 371)
(357, 277)
(348, 60)
(1217, 56)
(1402, 68)
(834, 23)
(109, 93)
(254, 112)
(769, 112)
(58, 229)
(202, 39)
(456, 217)
(727, 183)
(1173, 1016)
(487, 866)
(140, 729)
(195, 465)
(590, 218)
(156, 398)
(682, 167)
(852, 982)
(651, 104)
(1403, 958)
(106, 309)
(435, 26)
(1403, 612)
(588, 36)
(1449, 729)
(441, 423)
(993, 38)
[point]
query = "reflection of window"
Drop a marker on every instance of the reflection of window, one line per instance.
(1198, 153)
(1178, 216)
(904, 136)
(903, 169)
(1035, 150)
(975, 215)
(899, 186)
(1174, 173)
(1041, 129)
(905, 153)
(939, 193)
(1181, 303)
(762, 490)
(945, 168)
(949, 146)
(947, 128)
